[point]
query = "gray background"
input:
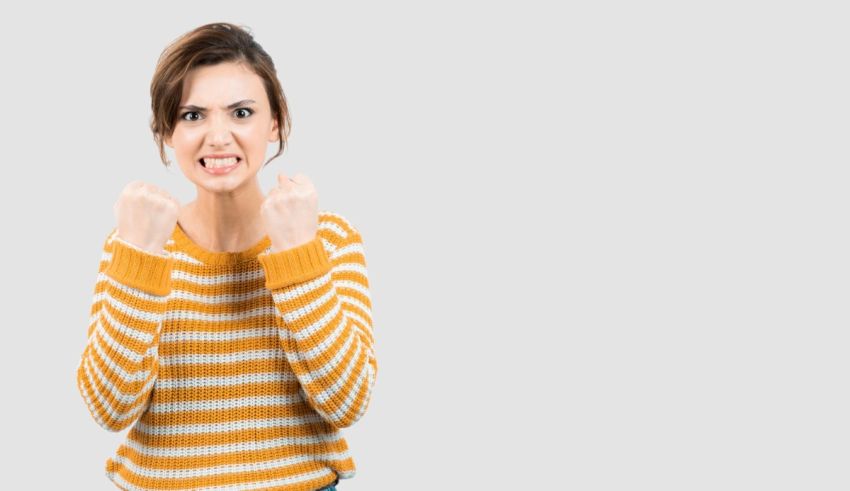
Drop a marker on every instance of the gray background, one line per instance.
(606, 241)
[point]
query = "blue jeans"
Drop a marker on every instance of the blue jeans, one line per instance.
(330, 487)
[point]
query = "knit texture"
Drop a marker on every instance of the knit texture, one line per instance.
(233, 370)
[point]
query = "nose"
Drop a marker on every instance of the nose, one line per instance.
(218, 134)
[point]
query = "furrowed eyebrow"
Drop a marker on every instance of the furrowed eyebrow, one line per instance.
(243, 102)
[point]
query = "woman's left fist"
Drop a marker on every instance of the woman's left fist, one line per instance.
(291, 212)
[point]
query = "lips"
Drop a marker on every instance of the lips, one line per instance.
(201, 161)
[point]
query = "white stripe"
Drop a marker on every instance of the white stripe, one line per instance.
(304, 288)
(224, 404)
(262, 312)
(214, 359)
(240, 277)
(218, 299)
(353, 266)
(353, 248)
(354, 285)
(241, 379)
(226, 427)
(224, 469)
(335, 228)
(344, 232)
(219, 336)
(244, 446)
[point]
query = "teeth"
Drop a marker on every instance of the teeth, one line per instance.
(220, 162)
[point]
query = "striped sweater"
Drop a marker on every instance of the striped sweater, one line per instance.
(236, 370)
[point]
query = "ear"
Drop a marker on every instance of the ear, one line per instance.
(167, 141)
(273, 136)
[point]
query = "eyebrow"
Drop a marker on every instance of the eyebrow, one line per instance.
(243, 102)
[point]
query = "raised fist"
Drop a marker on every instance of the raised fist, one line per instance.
(290, 212)
(146, 216)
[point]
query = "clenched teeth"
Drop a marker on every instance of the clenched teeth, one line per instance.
(219, 162)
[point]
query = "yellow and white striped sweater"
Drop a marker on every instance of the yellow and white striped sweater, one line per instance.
(236, 370)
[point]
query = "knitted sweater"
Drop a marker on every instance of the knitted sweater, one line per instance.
(236, 370)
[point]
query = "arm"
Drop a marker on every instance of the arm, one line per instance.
(119, 365)
(323, 311)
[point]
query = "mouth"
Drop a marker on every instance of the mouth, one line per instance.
(204, 163)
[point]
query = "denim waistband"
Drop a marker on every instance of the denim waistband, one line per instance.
(331, 486)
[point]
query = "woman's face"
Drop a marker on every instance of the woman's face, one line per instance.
(217, 116)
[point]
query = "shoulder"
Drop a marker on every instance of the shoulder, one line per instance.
(337, 223)
(336, 228)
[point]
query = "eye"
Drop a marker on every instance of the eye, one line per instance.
(183, 116)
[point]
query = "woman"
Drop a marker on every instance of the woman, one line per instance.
(234, 333)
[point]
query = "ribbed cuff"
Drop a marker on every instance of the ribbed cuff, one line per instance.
(140, 269)
(295, 265)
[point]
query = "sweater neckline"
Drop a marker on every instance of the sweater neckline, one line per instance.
(183, 241)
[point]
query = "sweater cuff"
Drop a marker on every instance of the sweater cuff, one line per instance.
(296, 264)
(140, 269)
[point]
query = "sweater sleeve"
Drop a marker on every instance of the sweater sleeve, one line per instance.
(323, 312)
(119, 364)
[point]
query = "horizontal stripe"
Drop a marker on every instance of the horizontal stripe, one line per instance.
(219, 336)
(242, 379)
(189, 429)
(221, 299)
(252, 445)
(223, 404)
(289, 480)
(218, 279)
(262, 312)
(215, 359)
(226, 468)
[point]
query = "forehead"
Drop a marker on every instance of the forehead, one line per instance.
(224, 82)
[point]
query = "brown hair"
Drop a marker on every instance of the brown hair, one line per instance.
(211, 44)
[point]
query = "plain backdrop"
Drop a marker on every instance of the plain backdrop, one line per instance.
(607, 241)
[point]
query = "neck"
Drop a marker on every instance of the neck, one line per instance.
(225, 222)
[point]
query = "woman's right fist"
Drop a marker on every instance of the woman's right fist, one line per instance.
(146, 216)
